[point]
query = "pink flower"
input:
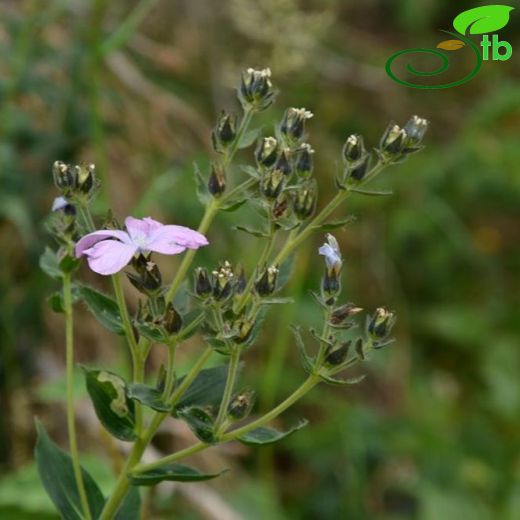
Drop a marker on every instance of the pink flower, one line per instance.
(110, 250)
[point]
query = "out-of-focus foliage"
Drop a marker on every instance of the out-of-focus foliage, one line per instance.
(432, 432)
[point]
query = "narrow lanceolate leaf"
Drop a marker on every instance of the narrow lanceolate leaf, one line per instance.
(103, 308)
(255, 232)
(200, 422)
(306, 360)
(173, 472)
(342, 382)
(372, 193)
(201, 185)
(233, 204)
(57, 476)
(249, 138)
(109, 395)
(481, 20)
(149, 396)
(267, 435)
(336, 224)
(206, 389)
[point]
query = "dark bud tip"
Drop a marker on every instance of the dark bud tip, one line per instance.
(172, 320)
(265, 284)
(343, 313)
(241, 405)
(217, 180)
(203, 286)
(381, 323)
(337, 356)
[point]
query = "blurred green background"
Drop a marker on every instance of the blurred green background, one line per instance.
(433, 432)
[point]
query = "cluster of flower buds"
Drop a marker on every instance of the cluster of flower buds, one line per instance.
(220, 284)
(355, 158)
(241, 405)
(74, 181)
(331, 283)
(265, 284)
(147, 279)
(381, 324)
(397, 142)
(256, 91)
(225, 132)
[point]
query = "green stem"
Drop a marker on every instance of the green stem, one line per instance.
(71, 425)
(234, 362)
(170, 371)
(190, 450)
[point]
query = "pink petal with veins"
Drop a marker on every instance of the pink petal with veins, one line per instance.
(92, 238)
(109, 256)
(181, 235)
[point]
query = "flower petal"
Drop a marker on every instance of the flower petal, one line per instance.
(181, 235)
(139, 228)
(109, 256)
(89, 240)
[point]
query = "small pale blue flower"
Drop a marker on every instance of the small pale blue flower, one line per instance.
(59, 203)
(331, 252)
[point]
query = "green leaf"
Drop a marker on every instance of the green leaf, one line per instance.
(68, 264)
(56, 302)
(233, 204)
(254, 232)
(249, 138)
(342, 382)
(152, 332)
(251, 171)
(172, 472)
(206, 389)
(306, 360)
(130, 509)
(200, 422)
(276, 300)
(381, 193)
(103, 308)
(50, 264)
(149, 396)
(57, 476)
(109, 395)
(481, 20)
(266, 435)
(336, 224)
(201, 185)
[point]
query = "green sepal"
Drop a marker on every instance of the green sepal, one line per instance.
(114, 409)
(171, 472)
(201, 423)
(266, 435)
(148, 396)
(57, 476)
(103, 308)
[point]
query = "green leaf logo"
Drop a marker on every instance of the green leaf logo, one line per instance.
(481, 20)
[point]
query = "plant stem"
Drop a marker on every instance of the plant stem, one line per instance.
(71, 425)
(228, 389)
(170, 371)
(190, 450)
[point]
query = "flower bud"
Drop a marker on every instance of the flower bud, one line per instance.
(240, 279)
(241, 405)
(353, 149)
(203, 287)
(393, 139)
(341, 314)
(217, 180)
(337, 356)
(85, 178)
(61, 204)
(172, 320)
(266, 152)
(64, 176)
(272, 183)
(256, 90)
(415, 129)
(283, 163)
(293, 123)
(304, 162)
(223, 279)
(149, 279)
(265, 284)
(330, 283)
(224, 132)
(304, 203)
(358, 170)
(281, 207)
(244, 328)
(381, 323)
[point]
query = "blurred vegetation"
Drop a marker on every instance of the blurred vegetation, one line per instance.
(134, 87)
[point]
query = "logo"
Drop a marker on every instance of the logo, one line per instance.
(477, 21)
